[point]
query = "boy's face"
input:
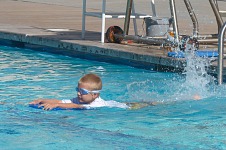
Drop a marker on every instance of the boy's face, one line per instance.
(88, 98)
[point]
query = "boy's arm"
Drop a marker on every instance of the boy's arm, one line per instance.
(50, 106)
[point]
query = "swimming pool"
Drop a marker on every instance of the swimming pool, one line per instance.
(178, 123)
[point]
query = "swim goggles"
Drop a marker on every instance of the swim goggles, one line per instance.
(85, 91)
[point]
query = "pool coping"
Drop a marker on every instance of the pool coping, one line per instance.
(140, 60)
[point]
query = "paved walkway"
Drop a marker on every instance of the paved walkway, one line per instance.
(58, 24)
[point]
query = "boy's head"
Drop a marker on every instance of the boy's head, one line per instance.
(89, 87)
(92, 80)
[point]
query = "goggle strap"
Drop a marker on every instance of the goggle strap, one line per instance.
(94, 91)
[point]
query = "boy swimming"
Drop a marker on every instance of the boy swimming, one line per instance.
(88, 96)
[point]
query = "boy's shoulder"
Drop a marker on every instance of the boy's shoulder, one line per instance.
(98, 102)
(73, 100)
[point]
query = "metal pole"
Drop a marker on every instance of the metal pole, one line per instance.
(147, 40)
(127, 17)
(173, 14)
(217, 14)
(221, 53)
(153, 8)
(193, 17)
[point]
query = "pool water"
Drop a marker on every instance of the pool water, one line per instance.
(178, 122)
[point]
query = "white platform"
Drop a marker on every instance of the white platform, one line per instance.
(108, 15)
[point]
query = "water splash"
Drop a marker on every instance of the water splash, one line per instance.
(186, 86)
(197, 80)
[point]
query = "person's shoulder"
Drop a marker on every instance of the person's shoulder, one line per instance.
(99, 99)
(98, 102)
(73, 100)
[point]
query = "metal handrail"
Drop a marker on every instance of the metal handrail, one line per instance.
(193, 18)
(221, 53)
(217, 14)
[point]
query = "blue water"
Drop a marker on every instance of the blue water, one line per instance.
(178, 122)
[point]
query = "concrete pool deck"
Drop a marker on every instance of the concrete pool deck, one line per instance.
(58, 25)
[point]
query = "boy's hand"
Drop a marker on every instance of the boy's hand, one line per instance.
(35, 102)
(48, 106)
